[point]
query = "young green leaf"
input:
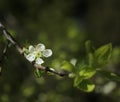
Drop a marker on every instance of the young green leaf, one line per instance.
(77, 80)
(103, 54)
(116, 55)
(71, 75)
(110, 75)
(89, 47)
(87, 72)
(90, 52)
(86, 85)
(37, 73)
(67, 66)
(91, 59)
(80, 65)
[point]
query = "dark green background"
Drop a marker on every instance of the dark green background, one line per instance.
(63, 26)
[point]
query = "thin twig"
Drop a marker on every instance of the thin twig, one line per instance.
(3, 55)
(4, 52)
(47, 69)
(10, 38)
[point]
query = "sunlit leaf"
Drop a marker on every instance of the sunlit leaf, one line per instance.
(86, 85)
(71, 75)
(87, 72)
(77, 80)
(67, 66)
(91, 59)
(103, 54)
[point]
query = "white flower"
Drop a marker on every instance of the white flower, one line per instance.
(40, 47)
(31, 49)
(30, 57)
(39, 61)
(47, 53)
(36, 53)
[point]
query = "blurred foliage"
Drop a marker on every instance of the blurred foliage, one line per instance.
(64, 26)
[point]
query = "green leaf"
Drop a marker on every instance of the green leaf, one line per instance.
(80, 65)
(77, 80)
(91, 59)
(87, 72)
(12, 32)
(116, 55)
(67, 66)
(86, 85)
(89, 47)
(38, 73)
(71, 75)
(103, 54)
(90, 52)
(110, 75)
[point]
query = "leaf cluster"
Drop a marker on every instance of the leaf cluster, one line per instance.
(94, 63)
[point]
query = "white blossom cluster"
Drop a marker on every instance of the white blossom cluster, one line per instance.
(36, 53)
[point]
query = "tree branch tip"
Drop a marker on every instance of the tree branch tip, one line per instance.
(1, 25)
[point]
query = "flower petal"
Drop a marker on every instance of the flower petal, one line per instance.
(30, 57)
(31, 49)
(39, 61)
(40, 47)
(47, 53)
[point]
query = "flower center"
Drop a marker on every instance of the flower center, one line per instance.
(38, 54)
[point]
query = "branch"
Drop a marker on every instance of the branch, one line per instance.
(10, 38)
(3, 55)
(47, 69)
(4, 52)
